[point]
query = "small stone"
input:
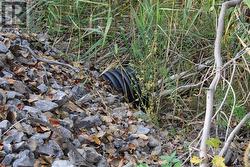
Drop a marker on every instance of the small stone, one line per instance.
(32, 144)
(89, 122)
(13, 94)
(142, 130)
(8, 139)
(5, 125)
(45, 105)
(9, 56)
(51, 149)
(65, 132)
(120, 112)
(4, 84)
(8, 159)
(32, 74)
(31, 110)
(3, 48)
(41, 136)
(60, 98)
(20, 87)
(77, 92)
(7, 74)
(25, 158)
(56, 86)
(102, 163)
(119, 143)
(90, 154)
(85, 98)
(111, 100)
(7, 147)
(77, 143)
(2, 97)
(18, 136)
(27, 128)
(42, 88)
(156, 150)
(153, 142)
(20, 146)
(62, 163)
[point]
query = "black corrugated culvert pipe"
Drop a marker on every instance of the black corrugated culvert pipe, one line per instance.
(124, 81)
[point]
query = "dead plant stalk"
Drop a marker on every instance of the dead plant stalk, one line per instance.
(213, 85)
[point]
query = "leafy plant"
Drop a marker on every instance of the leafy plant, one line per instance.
(170, 160)
(142, 165)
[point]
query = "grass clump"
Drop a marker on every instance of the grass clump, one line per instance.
(158, 38)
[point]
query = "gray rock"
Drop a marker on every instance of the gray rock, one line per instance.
(13, 94)
(51, 149)
(32, 74)
(4, 84)
(20, 146)
(102, 163)
(7, 74)
(15, 102)
(7, 148)
(8, 139)
(5, 125)
(119, 143)
(129, 164)
(8, 159)
(119, 112)
(33, 144)
(111, 100)
(3, 48)
(56, 86)
(45, 105)
(153, 142)
(20, 87)
(142, 130)
(60, 98)
(34, 112)
(42, 88)
(25, 158)
(77, 92)
(9, 56)
(77, 143)
(86, 98)
(62, 163)
(90, 154)
(89, 122)
(27, 128)
(18, 136)
(2, 97)
(41, 136)
(31, 110)
(65, 132)
(156, 150)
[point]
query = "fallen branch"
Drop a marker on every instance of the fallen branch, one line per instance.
(232, 135)
(49, 61)
(213, 85)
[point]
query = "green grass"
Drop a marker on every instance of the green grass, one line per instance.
(158, 38)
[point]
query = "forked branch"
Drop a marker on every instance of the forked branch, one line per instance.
(213, 85)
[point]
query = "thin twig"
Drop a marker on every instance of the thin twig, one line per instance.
(49, 61)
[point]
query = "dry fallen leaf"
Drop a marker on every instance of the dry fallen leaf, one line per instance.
(95, 139)
(54, 122)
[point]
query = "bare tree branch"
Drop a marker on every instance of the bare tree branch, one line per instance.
(232, 134)
(213, 85)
